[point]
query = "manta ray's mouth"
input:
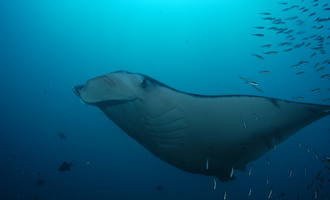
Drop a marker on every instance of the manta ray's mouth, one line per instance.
(77, 89)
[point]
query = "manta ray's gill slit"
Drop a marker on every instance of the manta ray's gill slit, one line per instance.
(173, 122)
(169, 124)
(149, 122)
(171, 119)
(158, 116)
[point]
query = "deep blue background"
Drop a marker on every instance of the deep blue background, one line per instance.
(197, 46)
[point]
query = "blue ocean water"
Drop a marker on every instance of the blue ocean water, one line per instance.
(195, 46)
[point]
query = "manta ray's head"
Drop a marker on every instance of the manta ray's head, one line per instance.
(117, 87)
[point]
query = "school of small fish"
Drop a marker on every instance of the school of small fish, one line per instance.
(317, 43)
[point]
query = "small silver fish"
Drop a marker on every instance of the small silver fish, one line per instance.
(305, 10)
(287, 50)
(307, 149)
(214, 183)
(325, 76)
(270, 53)
(245, 79)
(207, 163)
(258, 35)
(298, 45)
(270, 192)
(256, 117)
(303, 62)
(257, 89)
(274, 144)
(285, 43)
(326, 61)
(295, 66)
(252, 83)
(250, 171)
(266, 46)
(231, 172)
(315, 194)
(261, 58)
(316, 155)
(269, 18)
(300, 73)
(250, 191)
(320, 69)
(316, 90)
(225, 195)
(298, 98)
(265, 72)
(267, 181)
(317, 64)
(268, 162)
(320, 186)
(243, 122)
(290, 173)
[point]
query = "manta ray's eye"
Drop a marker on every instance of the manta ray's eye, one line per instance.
(144, 83)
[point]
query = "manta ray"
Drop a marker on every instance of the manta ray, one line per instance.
(209, 135)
